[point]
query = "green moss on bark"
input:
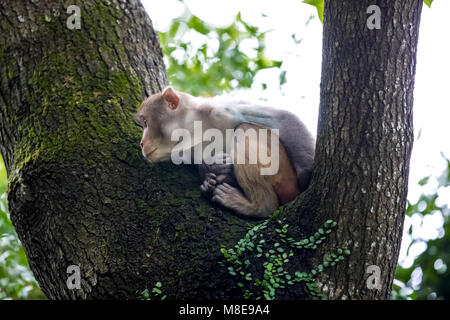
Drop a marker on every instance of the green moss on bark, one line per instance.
(73, 112)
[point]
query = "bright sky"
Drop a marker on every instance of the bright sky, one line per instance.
(303, 65)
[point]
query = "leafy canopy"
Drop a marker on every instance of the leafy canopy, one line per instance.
(206, 60)
(16, 279)
(428, 277)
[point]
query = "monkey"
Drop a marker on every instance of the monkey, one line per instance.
(237, 186)
(263, 193)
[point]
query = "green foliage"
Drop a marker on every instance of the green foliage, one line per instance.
(319, 6)
(215, 61)
(155, 294)
(261, 264)
(428, 2)
(433, 263)
(16, 279)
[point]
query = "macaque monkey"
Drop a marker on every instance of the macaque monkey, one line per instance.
(239, 186)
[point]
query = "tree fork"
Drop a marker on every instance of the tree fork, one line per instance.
(81, 194)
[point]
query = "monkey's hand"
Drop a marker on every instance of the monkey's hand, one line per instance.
(219, 171)
(212, 181)
(219, 164)
(209, 184)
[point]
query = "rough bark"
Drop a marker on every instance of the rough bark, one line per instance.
(81, 194)
(365, 138)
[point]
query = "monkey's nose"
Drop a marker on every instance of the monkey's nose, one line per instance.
(142, 145)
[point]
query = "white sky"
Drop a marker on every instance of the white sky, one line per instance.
(303, 64)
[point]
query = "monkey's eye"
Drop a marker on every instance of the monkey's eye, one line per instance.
(145, 123)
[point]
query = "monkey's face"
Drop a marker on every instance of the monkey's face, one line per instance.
(154, 144)
(158, 120)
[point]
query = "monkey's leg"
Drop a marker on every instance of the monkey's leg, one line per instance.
(233, 199)
(258, 197)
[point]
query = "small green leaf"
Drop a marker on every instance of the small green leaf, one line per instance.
(157, 291)
(428, 3)
(198, 25)
(145, 295)
(319, 6)
(424, 181)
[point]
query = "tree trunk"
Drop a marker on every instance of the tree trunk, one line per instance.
(365, 138)
(81, 194)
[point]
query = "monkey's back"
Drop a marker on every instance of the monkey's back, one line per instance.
(295, 137)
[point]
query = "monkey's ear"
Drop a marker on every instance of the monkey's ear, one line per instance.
(171, 98)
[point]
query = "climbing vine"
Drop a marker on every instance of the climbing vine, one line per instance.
(262, 265)
(155, 294)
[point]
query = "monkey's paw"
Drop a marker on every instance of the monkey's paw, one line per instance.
(227, 196)
(209, 184)
(212, 181)
(220, 164)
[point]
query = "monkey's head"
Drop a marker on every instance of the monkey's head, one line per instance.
(159, 115)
